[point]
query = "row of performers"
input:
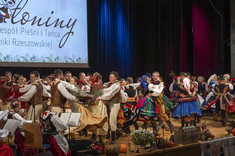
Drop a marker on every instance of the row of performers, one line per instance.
(207, 93)
(104, 111)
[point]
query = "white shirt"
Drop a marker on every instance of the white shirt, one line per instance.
(63, 86)
(157, 89)
(186, 83)
(32, 89)
(109, 92)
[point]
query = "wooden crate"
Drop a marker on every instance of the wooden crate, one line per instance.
(186, 135)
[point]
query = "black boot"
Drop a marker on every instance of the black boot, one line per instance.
(182, 122)
(191, 123)
(186, 124)
(154, 125)
(113, 137)
(93, 136)
(170, 125)
(127, 130)
(108, 135)
(136, 126)
(118, 133)
(224, 122)
(198, 119)
(144, 126)
(83, 132)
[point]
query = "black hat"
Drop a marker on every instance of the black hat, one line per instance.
(183, 74)
(221, 77)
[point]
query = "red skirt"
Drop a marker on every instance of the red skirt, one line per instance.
(5, 150)
(55, 148)
(19, 140)
(231, 109)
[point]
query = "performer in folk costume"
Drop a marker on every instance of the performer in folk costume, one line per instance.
(9, 81)
(128, 112)
(34, 94)
(113, 95)
(147, 107)
(59, 92)
(19, 80)
(202, 87)
(5, 92)
(19, 134)
(221, 98)
(88, 120)
(174, 88)
(4, 149)
(212, 81)
(97, 106)
(231, 108)
(157, 88)
(51, 124)
(97, 85)
(187, 106)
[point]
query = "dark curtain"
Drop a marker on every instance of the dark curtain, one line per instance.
(209, 37)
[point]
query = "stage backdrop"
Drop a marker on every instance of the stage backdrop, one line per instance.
(43, 33)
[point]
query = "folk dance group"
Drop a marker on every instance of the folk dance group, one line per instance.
(106, 107)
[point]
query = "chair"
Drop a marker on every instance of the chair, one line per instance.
(10, 140)
(33, 137)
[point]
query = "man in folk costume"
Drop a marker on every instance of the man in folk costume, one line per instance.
(221, 97)
(8, 76)
(5, 91)
(59, 92)
(113, 95)
(157, 87)
(34, 94)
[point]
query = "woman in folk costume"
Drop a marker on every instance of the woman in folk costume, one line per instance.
(231, 108)
(221, 98)
(212, 81)
(147, 107)
(187, 107)
(4, 149)
(51, 124)
(19, 80)
(174, 87)
(162, 103)
(88, 121)
(19, 134)
(202, 87)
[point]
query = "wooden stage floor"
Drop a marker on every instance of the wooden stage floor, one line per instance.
(215, 128)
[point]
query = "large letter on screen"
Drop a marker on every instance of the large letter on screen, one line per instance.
(46, 33)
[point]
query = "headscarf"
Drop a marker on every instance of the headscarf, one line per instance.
(144, 82)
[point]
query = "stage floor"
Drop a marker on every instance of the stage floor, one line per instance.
(215, 128)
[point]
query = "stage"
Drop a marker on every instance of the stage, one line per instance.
(192, 149)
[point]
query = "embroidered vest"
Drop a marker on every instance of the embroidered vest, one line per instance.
(37, 98)
(57, 99)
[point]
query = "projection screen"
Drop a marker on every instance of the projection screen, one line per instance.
(43, 33)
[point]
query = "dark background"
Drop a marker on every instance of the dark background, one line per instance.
(134, 37)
